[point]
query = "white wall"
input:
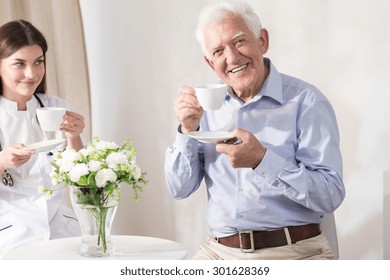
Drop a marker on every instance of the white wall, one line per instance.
(141, 52)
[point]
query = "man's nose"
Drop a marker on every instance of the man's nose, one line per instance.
(232, 54)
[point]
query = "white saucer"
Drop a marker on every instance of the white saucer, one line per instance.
(211, 136)
(45, 146)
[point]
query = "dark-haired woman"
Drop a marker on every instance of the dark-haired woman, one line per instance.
(26, 215)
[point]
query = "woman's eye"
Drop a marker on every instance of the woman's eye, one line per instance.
(19, 64)
(39, 61)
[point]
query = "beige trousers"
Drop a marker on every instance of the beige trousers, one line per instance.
(316, 248)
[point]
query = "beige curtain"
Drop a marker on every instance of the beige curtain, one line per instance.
(61, 23)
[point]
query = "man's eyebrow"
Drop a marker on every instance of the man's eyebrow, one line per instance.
(238, 35)
(241, 33)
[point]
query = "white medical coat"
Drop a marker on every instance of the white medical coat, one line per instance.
(26, 216)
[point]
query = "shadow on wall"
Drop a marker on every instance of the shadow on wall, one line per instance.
(356, 243)
(349, 125)
(386, 227)
(386, 214)
(190, 220)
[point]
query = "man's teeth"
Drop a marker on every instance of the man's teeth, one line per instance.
(239, 68)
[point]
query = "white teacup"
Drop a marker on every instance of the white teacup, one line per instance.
(50, 118)
(212, 96)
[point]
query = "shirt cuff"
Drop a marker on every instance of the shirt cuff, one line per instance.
(185, 144)
(271, 166)
(179, 129)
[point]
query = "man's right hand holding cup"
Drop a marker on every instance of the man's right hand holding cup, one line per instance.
(188, 110)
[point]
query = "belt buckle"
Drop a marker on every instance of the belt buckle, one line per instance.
(252, 248)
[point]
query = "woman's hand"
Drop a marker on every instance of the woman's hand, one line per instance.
(14, 156)
(73, 126)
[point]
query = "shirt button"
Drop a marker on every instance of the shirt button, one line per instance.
(241, 216)
(241, 189)
(189, 146)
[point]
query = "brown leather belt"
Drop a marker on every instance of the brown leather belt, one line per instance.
(249, 240)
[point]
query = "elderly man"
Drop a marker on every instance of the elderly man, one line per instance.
(267, 194)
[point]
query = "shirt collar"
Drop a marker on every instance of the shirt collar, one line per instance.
(272, 86)
(9, 105)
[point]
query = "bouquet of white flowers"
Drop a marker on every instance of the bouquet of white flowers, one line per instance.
(94, 174)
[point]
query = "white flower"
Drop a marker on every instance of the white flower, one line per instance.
(114, 159)
(84, 152)
(56, 154)
(54, 179)
(137, 172)
(77, 171)
(127, 153)
(70, 153)
(48, 193)
(106, 145)
(103, 176)
(41, 189)
(87, 151)
(133, 160)
(94, 165)
(66, 165)
(69, 157)
(102, 163)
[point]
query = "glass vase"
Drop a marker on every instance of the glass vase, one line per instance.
(95, 210)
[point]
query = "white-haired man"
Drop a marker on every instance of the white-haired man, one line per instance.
(266, 195)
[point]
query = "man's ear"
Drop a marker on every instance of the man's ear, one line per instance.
(209, 62)
(264, 40)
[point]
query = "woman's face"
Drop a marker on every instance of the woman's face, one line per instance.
(22, 72)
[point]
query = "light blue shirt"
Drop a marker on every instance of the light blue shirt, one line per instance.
(300, 177)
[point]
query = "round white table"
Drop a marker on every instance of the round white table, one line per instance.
(127, 247)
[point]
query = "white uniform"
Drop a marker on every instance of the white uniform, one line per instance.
(26, 216)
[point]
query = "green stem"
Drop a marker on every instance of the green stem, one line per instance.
(100, 215)
(102, 228)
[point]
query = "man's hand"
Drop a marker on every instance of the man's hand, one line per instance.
(247, 153)
(188, 110)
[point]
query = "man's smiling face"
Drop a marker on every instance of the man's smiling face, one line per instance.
(236, 54)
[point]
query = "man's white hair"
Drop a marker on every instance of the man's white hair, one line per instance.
(219, 11)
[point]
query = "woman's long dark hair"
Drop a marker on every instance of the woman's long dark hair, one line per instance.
(17, 34)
